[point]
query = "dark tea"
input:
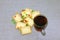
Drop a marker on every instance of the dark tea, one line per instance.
(40, 22)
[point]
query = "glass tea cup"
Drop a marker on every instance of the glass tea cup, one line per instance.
(40, 23)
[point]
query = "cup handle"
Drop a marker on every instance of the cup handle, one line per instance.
(43, 32)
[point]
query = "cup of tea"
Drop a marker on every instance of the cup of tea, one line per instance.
(40, 23)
